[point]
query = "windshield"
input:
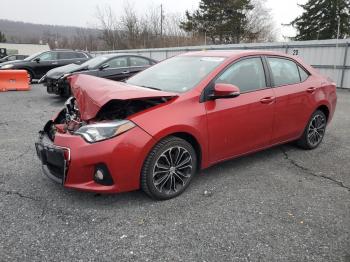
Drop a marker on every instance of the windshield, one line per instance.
(32, 56)
(178, 74)
(92, 63)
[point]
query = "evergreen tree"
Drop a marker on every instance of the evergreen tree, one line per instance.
(320, 20)
(2, 37)
(224, 21)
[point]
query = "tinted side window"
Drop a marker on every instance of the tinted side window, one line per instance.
(118, 62)
(247, 74)
(138, 61)
(80, 55)
(12, 58)
(67, 55)
(48, 56)
(303, 74)
(284, 72)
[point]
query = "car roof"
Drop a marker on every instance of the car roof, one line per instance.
(123, 54)
(233, 53)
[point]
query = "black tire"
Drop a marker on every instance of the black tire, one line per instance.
(163, 180)
(314, 131)
(30, 76)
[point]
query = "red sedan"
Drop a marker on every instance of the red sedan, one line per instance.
(184, 114)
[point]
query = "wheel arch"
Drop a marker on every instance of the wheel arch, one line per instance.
(324, 108)
(27, 69)
(193, 142)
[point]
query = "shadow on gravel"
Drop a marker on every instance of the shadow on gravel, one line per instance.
(57, 100)
(206, 177)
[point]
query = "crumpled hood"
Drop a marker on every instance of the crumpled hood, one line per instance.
(92, 93)
(60, 71)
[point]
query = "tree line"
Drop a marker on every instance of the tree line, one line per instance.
(214, 22)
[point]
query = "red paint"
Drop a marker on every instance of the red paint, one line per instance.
(223, 128)
(92, 93)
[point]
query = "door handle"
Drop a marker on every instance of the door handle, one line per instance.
(311, 89)
(54, 63)
(125, 72)
(267, 100)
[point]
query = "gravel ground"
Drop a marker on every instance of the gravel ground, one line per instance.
(282, 204)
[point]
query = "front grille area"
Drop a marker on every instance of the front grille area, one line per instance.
(53, 159)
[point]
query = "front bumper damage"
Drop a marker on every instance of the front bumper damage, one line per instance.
(54, 159)
(57, 86)
(71, 161)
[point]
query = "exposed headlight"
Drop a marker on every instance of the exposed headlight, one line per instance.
(102, 131)
(7, 66)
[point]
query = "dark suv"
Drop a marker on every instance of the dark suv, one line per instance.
(39, 64)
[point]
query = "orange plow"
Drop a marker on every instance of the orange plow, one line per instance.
(14, 80)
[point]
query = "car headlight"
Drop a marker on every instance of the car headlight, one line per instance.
(102, 131)
(65, 75)
(7, 66)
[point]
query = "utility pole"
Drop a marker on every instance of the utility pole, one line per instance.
(161, 20)
(336, 51)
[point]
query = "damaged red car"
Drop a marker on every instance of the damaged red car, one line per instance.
(184, 114)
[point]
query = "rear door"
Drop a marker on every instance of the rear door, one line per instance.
(138, 64)
(66, 58)
(243, 124)
(118, 69)
(294, 103)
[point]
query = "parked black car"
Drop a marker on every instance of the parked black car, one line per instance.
(12, 58)
(39, 64)
(111, 66)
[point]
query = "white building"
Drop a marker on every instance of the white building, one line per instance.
(24, 49)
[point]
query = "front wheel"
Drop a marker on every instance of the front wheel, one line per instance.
(168, 169)
(30, 74)
(314, 131)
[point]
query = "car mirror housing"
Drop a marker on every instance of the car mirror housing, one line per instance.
(104, 66)
(222, 90)
(37, 59)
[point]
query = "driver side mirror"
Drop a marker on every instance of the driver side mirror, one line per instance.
(104, 66)
(37, 59)
(222, 90)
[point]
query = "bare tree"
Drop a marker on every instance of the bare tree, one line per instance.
(110, 26)
(132, 30)
(260, 26)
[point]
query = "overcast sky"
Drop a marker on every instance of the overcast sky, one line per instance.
(82, 12)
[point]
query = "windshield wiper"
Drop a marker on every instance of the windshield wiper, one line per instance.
(151, 87)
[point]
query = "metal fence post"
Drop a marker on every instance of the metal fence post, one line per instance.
(344, 65)
(287, 47)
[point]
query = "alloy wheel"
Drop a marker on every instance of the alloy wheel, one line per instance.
(316, 130)
(172, 170)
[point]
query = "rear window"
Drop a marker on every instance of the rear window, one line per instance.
(303, 74)
(284, 71)
(138, 61)
(80, 55)
(68, 55)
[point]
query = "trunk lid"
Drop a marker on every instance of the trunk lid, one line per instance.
(92, 93)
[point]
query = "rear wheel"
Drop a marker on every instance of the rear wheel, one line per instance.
(314, 131)
(168, 169)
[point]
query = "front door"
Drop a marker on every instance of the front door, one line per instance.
(243, 124)
(47, 61)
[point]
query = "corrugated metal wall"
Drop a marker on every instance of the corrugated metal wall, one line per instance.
(330, 57)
